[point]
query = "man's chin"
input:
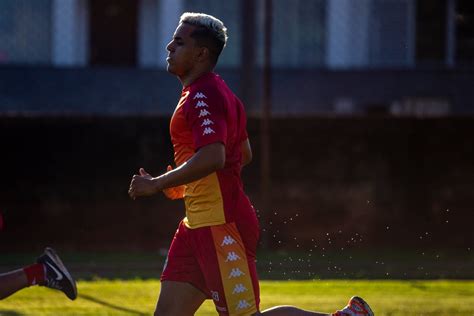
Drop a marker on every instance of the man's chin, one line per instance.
(170, 69)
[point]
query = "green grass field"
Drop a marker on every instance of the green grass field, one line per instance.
(138, 297)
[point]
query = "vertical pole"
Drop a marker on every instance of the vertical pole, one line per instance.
(265, 122)
(248, 31)
(170, 11)
(69, 33)
(411, 36)
(450, 33)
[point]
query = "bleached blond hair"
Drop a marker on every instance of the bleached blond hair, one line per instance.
(210, 31)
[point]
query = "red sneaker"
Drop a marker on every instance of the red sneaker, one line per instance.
(356, 306)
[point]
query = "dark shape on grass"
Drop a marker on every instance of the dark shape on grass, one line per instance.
(4, 312)
(104, 303)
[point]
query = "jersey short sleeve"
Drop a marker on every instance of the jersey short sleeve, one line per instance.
(205, 113)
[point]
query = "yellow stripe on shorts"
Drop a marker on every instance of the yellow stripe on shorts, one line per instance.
(235, 275)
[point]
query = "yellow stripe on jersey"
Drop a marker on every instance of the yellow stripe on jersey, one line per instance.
(204, 203)
(235, 274)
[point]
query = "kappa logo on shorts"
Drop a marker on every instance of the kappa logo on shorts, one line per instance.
(215, 296)
(228, 240)
(201, 104)
(235, 273)
(199, 95)
(221, 309)
(242, 305)
(232, 256)
(204, 112)
(239, 288)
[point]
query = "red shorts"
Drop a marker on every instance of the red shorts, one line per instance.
(220, 261)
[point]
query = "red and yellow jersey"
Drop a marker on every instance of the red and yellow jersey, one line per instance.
(208, 112)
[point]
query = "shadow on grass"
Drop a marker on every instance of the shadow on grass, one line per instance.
(106, 304)
(304, 264)
(9, 313)
(418, 285)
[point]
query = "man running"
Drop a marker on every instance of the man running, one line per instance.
(213, 251)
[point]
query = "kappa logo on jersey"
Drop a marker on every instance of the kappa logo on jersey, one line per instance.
(239, 288)
(204, 112)
(208, 131)
(207, 122)
(201, 104)
(199, 95)
(235, 273)
(242, 305)
(228, 240)
(215, 296)
(232, 256)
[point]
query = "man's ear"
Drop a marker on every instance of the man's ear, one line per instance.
(203, 54)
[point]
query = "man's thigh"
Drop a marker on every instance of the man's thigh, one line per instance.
(178, 298)
(181, 264)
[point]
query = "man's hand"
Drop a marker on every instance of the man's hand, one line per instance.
(142, 185)
(174, 193)
(205, 161)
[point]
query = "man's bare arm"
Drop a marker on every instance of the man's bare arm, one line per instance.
(204, 162)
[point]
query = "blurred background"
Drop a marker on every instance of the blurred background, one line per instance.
(360, 116)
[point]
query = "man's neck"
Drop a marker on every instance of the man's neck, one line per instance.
(189, 79)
